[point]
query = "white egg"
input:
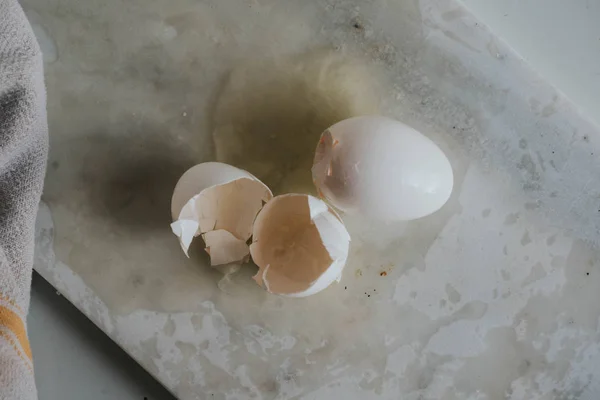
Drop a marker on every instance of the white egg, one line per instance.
(382, 169)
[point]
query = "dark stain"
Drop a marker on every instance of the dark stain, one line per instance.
(270, 386)
(129, 178)
(523, 144)
(289, 377)
(137, 280)
(524, 367)
(356, 24)
(55, 165)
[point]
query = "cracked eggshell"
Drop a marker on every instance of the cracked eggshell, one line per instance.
(382, 169)
(299, 244)
(219, 202)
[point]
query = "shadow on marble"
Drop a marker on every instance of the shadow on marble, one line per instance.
(135, 175)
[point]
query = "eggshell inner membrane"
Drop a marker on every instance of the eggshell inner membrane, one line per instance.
(299, 245)
(224, 248)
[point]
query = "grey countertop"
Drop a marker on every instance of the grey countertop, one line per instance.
(76, 360)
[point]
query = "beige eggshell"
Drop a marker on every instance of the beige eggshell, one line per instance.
(220, 202)
(299, 244)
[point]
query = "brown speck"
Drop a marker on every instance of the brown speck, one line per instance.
(345, 287)
(357, 25)
(587, 273)
(383, 273)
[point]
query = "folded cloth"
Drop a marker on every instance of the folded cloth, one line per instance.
(23, 154)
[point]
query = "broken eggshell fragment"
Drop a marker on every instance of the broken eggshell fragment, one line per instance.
(219, 202)
(299, 244)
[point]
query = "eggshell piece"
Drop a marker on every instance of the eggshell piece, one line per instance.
(299, 244)
(381, 168)
(217, 197)
(224, 248)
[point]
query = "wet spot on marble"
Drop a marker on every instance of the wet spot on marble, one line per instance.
(522, 144)
(505, 275)
(486, 213)
(270, 114)
(548, 110)
(541, 161)
(187, 349)
(452, 293)
(534, 104)
(537, 272)
(551, 240)
(454, 14)
(525, 239)
(531, 206)
(494, 50)
(169, 328)
(528, 166)
(511, 219)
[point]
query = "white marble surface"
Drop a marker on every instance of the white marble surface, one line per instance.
(493, 297)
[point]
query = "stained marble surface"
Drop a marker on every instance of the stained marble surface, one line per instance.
(493, 297)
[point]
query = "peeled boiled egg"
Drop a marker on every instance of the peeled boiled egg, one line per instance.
(299, 244)
(219, 202)
(381, 168)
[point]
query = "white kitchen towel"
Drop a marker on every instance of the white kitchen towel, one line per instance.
(23, 154)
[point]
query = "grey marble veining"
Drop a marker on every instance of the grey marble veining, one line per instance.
(493, 297)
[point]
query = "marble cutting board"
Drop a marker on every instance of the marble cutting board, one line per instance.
(493, 297)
